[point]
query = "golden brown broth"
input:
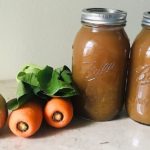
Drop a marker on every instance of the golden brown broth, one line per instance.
(99, 71)
(138, 100)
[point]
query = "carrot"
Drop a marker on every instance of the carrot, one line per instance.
(58, 112)
(3, 112)
(26, 120)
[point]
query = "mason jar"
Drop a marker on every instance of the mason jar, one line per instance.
(138, 99)
(99, 64)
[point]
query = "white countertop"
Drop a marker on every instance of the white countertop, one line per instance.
(120, 134)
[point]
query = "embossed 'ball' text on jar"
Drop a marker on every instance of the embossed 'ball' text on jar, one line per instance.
(138, 99)
(100, 55)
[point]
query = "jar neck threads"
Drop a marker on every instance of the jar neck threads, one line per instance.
(146, 19)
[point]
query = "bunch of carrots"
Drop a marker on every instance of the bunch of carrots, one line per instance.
(26, 119)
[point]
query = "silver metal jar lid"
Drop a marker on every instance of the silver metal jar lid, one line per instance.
(103, 16)
(146, 18)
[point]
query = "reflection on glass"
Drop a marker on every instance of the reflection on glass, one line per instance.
(88, 48)
(148, 52)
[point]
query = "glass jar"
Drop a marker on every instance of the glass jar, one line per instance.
(100, 54)
(138, 99)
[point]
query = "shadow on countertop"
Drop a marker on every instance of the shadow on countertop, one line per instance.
(122, 115)
(5, 133)
(76, 123)
(46, 130)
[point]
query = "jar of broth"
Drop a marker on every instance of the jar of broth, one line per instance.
(138, 100)
(99, 65)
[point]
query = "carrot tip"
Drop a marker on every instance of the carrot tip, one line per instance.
(57, 116)
(22, 126)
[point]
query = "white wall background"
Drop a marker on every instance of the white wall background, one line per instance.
(42, 31)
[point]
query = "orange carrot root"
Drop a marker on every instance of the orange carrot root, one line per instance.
(26, 120)
(58, 112)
